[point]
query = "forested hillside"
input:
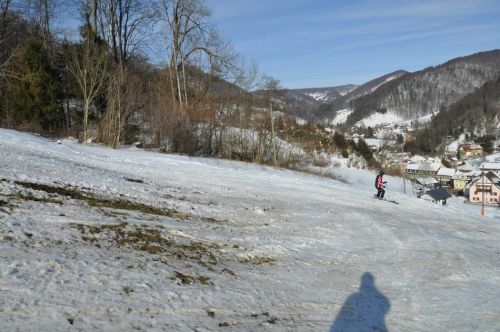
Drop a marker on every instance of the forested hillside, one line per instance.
(328, 111)
(476, 115)
(306, 100)
(425, 92)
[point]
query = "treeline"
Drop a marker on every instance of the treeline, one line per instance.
(102, 87)
(360, 148)
(475, 115)
(203, 100)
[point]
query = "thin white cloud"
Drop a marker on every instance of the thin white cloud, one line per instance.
(404, 37)
(424, 8)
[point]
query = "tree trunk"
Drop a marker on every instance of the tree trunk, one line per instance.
(85, 120)
(94, 15)
(273, 136)
(185, 86)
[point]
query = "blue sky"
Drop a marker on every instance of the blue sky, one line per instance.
(314, 43)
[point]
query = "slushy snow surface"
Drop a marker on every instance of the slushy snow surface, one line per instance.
(119, 240)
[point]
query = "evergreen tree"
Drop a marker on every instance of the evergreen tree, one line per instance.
(34, 94)
(364, 149)
(340, 141)
(486, 143)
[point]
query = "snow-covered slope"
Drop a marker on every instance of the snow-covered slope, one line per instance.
(340, 117)
(99, 239)
(379, 118)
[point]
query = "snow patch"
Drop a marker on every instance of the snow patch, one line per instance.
(319, 96)
(379, 119)
(341, 117)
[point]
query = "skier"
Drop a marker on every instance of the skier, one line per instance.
(380, 185)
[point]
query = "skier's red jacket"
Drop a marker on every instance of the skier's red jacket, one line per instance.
(379, 184)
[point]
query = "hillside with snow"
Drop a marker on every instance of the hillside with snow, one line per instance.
(425, 92)
(99, 239)
(328, 111)
(311, 98)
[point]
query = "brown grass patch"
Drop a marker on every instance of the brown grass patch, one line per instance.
(97, 201)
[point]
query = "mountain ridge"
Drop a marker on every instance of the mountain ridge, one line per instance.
(408, 95)
(426, 91)
(328, 111)
(311, 98)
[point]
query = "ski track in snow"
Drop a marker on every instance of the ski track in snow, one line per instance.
(282, 250)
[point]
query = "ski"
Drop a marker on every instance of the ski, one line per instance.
(387, 200)
(391, 201)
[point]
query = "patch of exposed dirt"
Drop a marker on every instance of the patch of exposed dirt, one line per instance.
(152, 241)
(104, 204)
(98, 201)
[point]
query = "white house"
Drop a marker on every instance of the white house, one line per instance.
(423, 169)
(445, 175)
(423, 184)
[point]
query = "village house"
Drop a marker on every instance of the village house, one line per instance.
(422, 170)
(487, 187)
(468, 150)
(462, 177)
(439, 195)
(445, 176)
(423, 184)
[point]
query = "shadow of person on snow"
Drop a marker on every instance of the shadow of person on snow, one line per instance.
(364, 310)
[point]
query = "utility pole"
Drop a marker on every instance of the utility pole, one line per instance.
(273, 135)
(482, 191)
(404, 182)
(404, 170)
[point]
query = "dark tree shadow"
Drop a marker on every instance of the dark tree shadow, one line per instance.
(364, 310)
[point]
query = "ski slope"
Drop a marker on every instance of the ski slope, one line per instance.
(98, 239)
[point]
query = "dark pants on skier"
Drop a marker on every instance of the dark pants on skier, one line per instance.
(380, 193)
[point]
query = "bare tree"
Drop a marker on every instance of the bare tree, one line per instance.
(42, 12)
(192, 39)
(124, 24)
(272, 88)
(90, 68)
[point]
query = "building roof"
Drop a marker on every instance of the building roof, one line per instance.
(493, 158)
(426, 181)
(444, 171)
(470, 146)
(490, 166)
(437, 194)
(491, 176)
(425, 167)
(466, 173)
(417, 159)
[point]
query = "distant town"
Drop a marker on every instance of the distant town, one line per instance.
(464, 168)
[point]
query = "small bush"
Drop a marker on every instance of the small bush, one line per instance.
(394, 171)
(320, 162)
(327, 173)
